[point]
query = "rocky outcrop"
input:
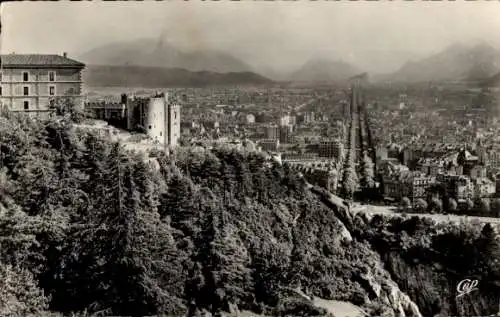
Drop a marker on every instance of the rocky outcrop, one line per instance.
(400, 302)
(388, 292)
(340, 210)
(344, 233)
(377, 280)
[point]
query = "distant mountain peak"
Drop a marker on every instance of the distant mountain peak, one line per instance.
(456, 62)
(160, 52)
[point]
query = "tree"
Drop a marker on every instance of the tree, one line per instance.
(349, 183)
(495, 207)
(405, 204)
(484, 206)
(469, 205)
(452, 205)
(231, 274)
(124, 237)
(19, 293)
(489, 250)
(420, 205)
(436, 205)
(65, 106)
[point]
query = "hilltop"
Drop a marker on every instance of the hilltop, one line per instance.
(458, 62)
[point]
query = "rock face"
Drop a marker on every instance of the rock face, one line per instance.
(400, 302)
(388, 291)
(345, 234)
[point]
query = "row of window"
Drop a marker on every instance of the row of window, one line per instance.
(26, 76)
(26, 104)
(26, 91)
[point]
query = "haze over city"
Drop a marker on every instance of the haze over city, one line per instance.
(271, 37)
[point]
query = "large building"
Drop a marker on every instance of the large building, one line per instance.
(458, 187)
(32, 83)
(489, 156)
(269, 145)
(413, 185)
(285, 134)
(160, 118)
(331, 149)
(157, 116)
(272, 132)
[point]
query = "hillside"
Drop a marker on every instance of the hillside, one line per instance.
(455, 63)
(161, 53)
(89, 227)
(324, 71)
(153, 77)
(492, 81)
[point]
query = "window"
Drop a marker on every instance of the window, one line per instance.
(0, 90)
(52, 76)
(52, 90)
(175, 115)
(25, 76)
(26, 91)
(26, 105)
(149, 127)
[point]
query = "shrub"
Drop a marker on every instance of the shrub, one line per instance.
(19, 293)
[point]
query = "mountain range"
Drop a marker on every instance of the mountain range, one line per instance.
(145, 54)
(154, 77)
(492, 81)
(458, 62)
(136, 60)
(151, 53)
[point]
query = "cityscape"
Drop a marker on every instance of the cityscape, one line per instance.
(217, 172)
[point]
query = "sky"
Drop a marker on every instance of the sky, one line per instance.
(376, 36)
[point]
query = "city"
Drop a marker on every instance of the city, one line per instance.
(168, 176)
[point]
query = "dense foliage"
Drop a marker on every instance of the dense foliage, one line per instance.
(428, 260)
(90, 227)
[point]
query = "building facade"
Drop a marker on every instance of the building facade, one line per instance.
(483, 188)
(299, 157)
(309, 117)
(489, 156)
(458, 187)
(413, 185)
(269, 145)
(34, 83)
(331, 149)
(272, 132)
(159, 117)
(285, 134)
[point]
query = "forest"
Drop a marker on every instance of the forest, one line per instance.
(90, 229)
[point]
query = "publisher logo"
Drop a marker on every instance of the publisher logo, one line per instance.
(466, 286)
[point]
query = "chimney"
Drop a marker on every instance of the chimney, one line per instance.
(65, 54)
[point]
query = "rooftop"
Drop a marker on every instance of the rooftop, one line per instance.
(38, 60)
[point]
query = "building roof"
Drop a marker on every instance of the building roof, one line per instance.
(38, 60)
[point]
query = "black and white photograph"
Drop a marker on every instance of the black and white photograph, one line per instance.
(250, 158)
